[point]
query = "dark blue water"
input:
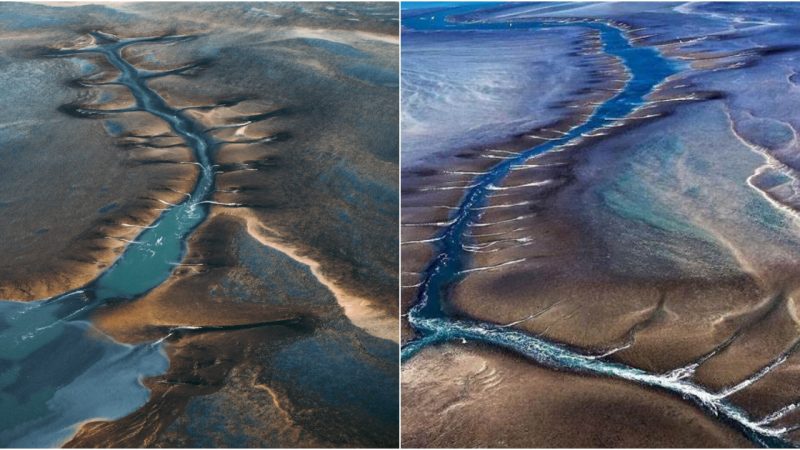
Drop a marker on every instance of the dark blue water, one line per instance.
(647, 68)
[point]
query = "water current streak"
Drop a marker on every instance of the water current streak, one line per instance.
(647, 69)
(92, 376)
(142, 268)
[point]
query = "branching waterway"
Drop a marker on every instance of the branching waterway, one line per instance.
(647, 68)
(56, 370)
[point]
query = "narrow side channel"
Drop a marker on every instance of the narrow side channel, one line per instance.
(648, 68)
(61, 371)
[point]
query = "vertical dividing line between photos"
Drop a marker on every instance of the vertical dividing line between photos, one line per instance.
(399, 222)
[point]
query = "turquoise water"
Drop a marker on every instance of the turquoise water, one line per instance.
(647, 68)
(56, 370)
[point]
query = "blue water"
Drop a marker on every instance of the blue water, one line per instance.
(428, 316)
(647, 68)
(56, 370)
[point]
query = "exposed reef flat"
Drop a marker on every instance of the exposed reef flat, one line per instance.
(665, 239)
(266, 136)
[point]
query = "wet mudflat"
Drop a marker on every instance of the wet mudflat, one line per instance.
(213, 261)
(655, 247)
